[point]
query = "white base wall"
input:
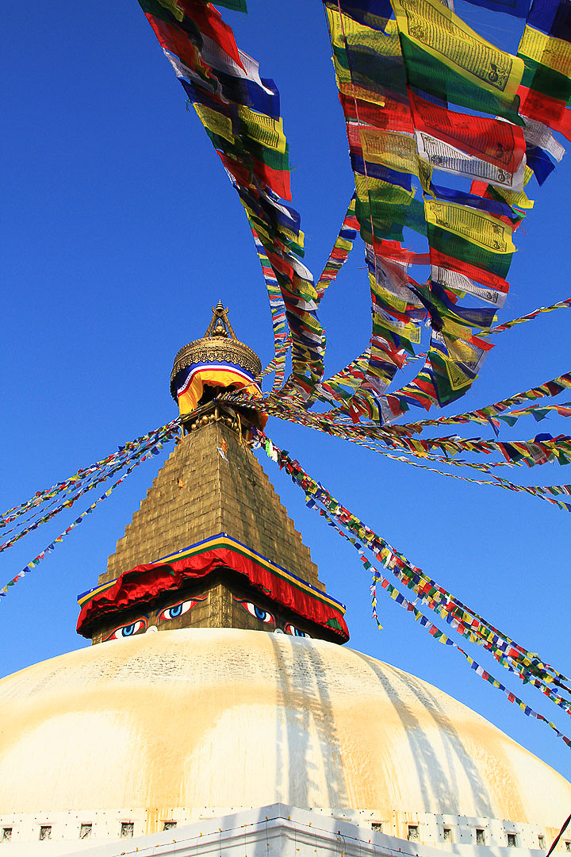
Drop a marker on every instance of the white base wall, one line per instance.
(273, 831)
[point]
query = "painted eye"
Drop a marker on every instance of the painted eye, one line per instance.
(257, 612)
(294, 631)
(127, 630)
(178, 609)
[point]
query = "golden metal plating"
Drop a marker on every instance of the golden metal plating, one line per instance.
(218, 345)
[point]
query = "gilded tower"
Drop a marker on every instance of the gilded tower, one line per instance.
(211, 545)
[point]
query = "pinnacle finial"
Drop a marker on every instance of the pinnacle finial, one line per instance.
(219, 325)
(219, 346)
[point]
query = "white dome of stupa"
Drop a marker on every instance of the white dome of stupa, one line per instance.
(176, 724)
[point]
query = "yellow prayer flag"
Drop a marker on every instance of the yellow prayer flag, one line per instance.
(346, 31)
(389, 148)
(441, 33)
(547, 50)
(458, 349)
(377, 190)
(346, 87)
(265, 130)
(457, 378)
(409, 330)
(398, 303)
(474, 225)
(215, 122)
(519, 199)
(264, 235)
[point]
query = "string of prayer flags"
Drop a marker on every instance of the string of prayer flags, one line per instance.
(466, 233)
(541, 450)
(529, 316)
(369, 74)
(343, 384)
(45, 505)
(122, 453)
(538, 412)
(241, 114)
(69, 500)
(435, 632)
(546, 493)
(340, 252)
(396, 561)
(382, 440)
(489, 413)
(542, 492)
(482, 415)
(366, 436)
(546, 84)
(397, 314)
(282, 339)
(512, 656)
(441, 637)
(395, 90)
(173, 426)
(415, 90)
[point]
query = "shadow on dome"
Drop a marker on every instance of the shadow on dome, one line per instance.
(438, 782)
(303, 689)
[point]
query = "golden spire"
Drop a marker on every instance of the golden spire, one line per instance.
(218, 345)
(220, 326)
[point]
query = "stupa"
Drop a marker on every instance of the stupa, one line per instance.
(245, 725)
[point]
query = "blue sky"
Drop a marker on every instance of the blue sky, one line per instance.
(120, 231)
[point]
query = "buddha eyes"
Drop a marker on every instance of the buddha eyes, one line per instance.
(127, 630)
(183, 607)
(294, 631)
(178, 609)
(164, 616)
(269, 618)
(257, 612)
